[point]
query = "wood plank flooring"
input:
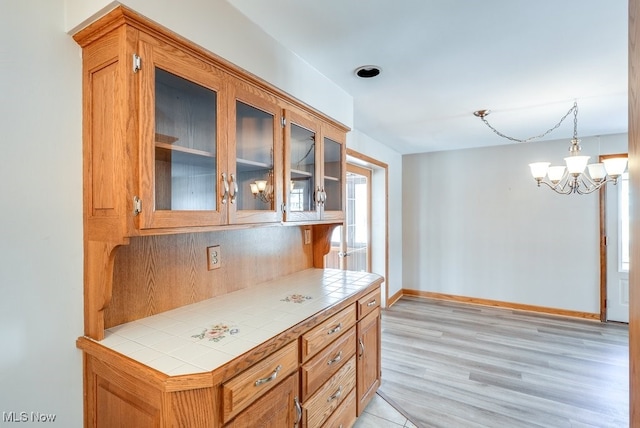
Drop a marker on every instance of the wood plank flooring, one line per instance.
(455, 365)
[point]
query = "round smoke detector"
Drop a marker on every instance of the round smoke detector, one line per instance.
(367, 71)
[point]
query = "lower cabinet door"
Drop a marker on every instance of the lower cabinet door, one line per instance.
(369, 367)
(278, 408)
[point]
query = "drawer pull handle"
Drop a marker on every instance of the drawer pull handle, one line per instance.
(335, 329)
(270, 378)
(337, 394)
(335, 359)
(371, 303)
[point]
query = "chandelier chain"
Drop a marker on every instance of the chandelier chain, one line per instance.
(573, 110)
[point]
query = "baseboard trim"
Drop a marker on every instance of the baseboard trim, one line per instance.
(391, 300)
(497, 303)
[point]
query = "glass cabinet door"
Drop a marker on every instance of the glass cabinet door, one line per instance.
(302, 186)
(180, 114)
(258, 165)
(185, 144)
(332, 188)
(333, 173)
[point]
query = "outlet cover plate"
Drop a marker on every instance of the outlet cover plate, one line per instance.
(213, 257)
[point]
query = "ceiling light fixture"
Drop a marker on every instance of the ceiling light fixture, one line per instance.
(368, 71)
(571, 178)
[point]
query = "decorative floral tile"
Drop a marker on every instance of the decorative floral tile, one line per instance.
(217, 332)
(296, 298)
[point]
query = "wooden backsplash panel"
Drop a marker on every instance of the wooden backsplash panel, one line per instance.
(158, 273)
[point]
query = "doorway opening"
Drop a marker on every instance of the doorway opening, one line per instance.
(362, 245)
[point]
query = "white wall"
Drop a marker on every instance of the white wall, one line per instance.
(476, 225)
(41, 215)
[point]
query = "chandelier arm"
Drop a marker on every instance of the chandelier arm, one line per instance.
(595, 185)
(588, 181)
(558, 188)
(584, 187)
(587, 190)
(573, 109)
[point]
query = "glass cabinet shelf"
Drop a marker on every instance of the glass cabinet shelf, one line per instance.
(195, 152)
(244, 165)
(300, 173)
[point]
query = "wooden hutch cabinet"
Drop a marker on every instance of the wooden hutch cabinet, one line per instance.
(185, 152)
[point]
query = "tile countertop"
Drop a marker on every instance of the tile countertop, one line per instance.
(203, 336)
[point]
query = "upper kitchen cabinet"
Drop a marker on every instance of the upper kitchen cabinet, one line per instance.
(179, 140)
(314, 169)
(183, 177)
(302, 169)
(255, 161)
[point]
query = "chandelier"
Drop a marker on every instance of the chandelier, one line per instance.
(571, 178)
(263, 189)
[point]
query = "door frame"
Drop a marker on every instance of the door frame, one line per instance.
(367, 161)
(603, 241)
(368, 174)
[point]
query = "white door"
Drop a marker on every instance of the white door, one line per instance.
(617, 215)
(358, 251)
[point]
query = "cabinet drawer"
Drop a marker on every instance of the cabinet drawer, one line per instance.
(275, 409)
(323, 334)
(368, 303)
(345, 415)
(252, 383)
(317, 409)
(321, 367)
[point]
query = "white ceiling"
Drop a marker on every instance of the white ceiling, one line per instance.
(441, 60)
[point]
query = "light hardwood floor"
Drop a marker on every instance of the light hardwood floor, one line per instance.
(456, 365)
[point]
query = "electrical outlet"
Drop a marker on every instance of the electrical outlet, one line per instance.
(307, 236)
(213, 257)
